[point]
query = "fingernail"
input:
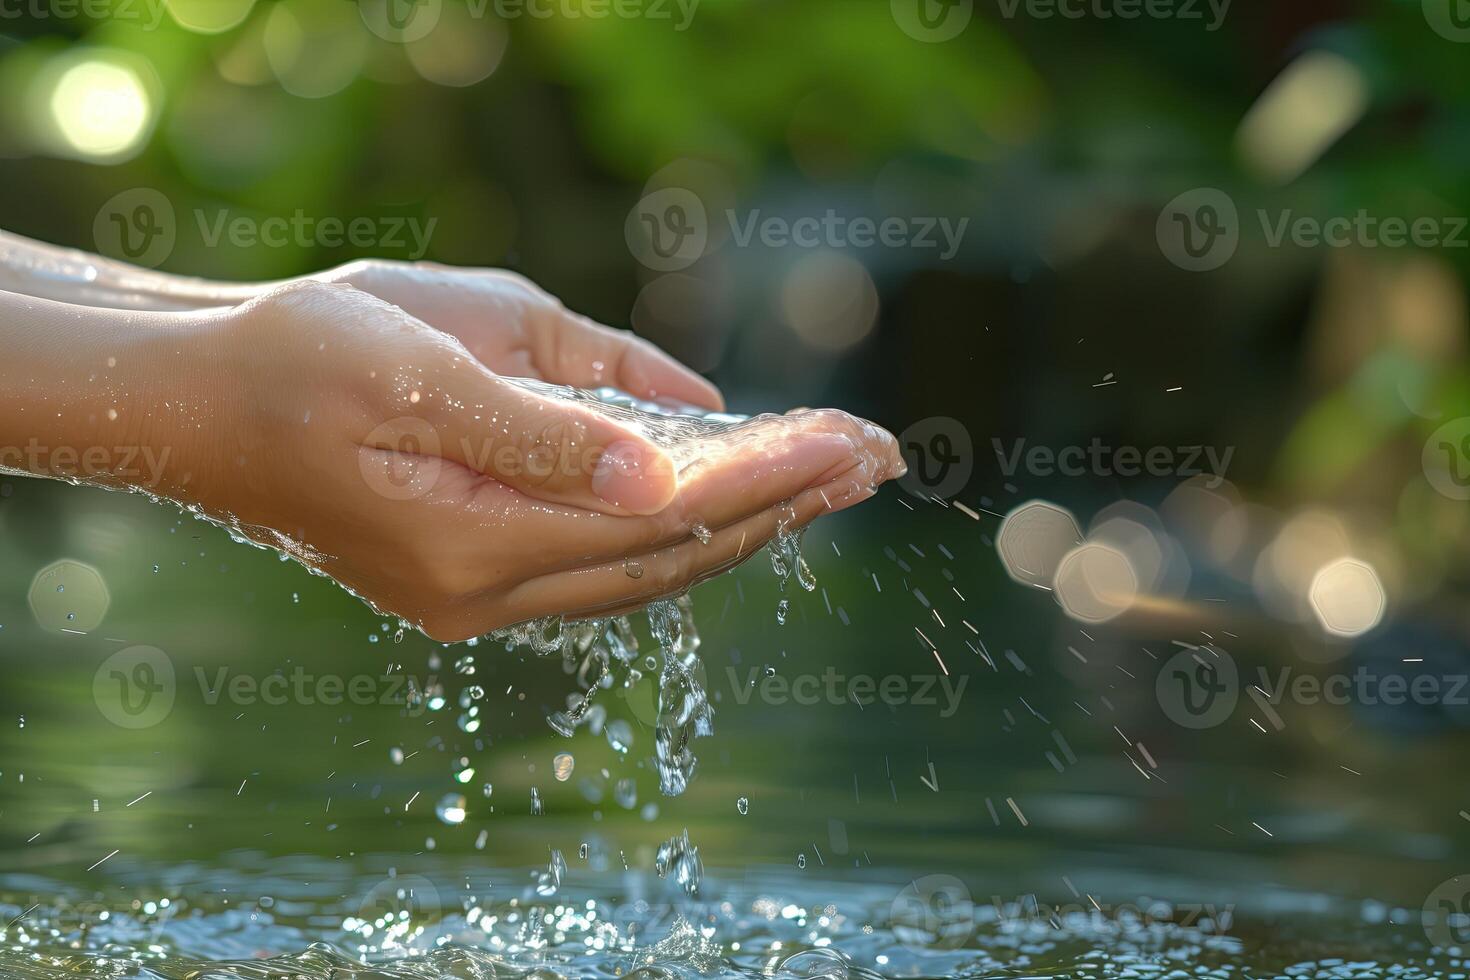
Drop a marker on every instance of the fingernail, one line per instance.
(634, 477)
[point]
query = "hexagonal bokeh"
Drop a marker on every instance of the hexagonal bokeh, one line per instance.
(69, 595)
(1347, 597)
(1032, 540)
(1096, 583)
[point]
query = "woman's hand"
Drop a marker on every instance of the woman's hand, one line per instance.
(508, 323)
(329, 423)
(515, 328)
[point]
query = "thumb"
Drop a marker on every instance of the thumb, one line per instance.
(555, 450)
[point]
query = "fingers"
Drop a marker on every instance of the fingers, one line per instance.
(626, 584)
(573, 350)
(549, 449)
(762, 470)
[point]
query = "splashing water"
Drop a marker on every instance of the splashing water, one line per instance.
(596, 648)
(679, 856)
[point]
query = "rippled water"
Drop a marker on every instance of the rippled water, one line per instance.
(298, 918)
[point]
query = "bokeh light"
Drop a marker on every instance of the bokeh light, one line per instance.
(101, 109)
(1348, 597)
(210, 16)
(1033, 539)
(1096, 583)
(829, 301)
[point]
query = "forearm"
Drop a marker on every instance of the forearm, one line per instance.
(67, 275)
(112, 397)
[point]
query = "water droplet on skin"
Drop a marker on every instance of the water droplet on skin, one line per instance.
(633, 569)
(701, 532)
(742, 805)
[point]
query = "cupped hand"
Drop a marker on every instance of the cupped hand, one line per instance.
(379, 451)
(517, 329)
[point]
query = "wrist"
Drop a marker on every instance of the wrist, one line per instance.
(106, 397)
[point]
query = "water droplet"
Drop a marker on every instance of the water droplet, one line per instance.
(801, 860)
(679, 856)
(781, 609)
(743, 805)
(619, 735)
(451, 809)
(625, 791)
(562, 766)
(701, 532)
(537, 807)
(633, 569)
